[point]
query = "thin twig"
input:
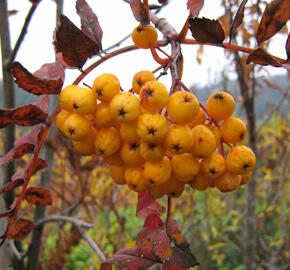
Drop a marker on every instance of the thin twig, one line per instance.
(22, 33)
(169, 210)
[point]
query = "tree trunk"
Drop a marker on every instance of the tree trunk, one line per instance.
(9, 102)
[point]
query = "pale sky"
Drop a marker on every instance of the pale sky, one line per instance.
(117, 21)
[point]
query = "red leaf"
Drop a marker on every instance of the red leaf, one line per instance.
(139, 11)
(72, 46)
(27, 115)
(38, 195)
(129, 258)
(44, 81)
(18, 229)
(206, 31)
(51, 71)
(90, 23)
(12, 185)
(238, 18)
(148, 205)
(275, 16)
(23, 145)
(287, 47)
(259, 56)
(195, 6)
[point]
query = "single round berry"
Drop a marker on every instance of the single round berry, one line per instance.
(141, 78)
(118, 174)
(130, 154)
(144, 36)
(60, 119)
(128, 132)
(233, 130)
(214, 165)
(135, 180)
(103, 116)
(152, 151)
(227, 181)
(86, 146)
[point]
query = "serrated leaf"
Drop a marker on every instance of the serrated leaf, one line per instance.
(18, 229)
(38, 195)
(148, 205)
(89, 22)
(195, 6)
(260, 57)
(238, 18)
(275, 16)
(72, 46)
(33, 83)
(206, 31)
(139, 11)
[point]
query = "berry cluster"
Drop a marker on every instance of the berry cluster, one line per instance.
(155, 141)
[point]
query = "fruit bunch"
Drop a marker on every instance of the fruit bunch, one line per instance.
(155, 141)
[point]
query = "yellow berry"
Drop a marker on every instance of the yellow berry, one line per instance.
(128, 132)
(107, 141)
(106, 86)
(86, 146)
(201, 182)
(220, 105)
(141, 78)
(130, 154)
(135, 180)
(214, 165)
(118, 174)
(178, 139)
(233, 130)
(245, 178)
(144, 36)
(157, 172)
(182, 107)
(78, 100)
(217, 133)
(103, 117)
(60, 119)
(125, 107)
(151, 151)
(154, 96)
(77, 127)
(114, 159)
(185, 167)
(173, 188)
(152, 127)
(241, 160)
(157, 191)
(199, 119)
(204, 142)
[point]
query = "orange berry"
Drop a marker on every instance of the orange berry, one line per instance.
(220, 105)
(157, 191)
(241, 160)
(245, 178)
(144, 36)
(103, 117)
(178, 139)
(185, 167)
(77, 127)
(86, 146)
(114, 159)
(182, 107)
(130, 154)
(201, 182)
(173, 188)
(152, 127)
(125, 107)
(199, 119)
(233, 130)
(214, 165)
(128, 132)
(204, 142)
(60, 119)
(141, 78)
(151, 151)
(227, 181)
(135, 180)
(106, 86)
(154, 96)
(78, 100)
(157, 172)
(107, 141)
(217, 133)
(118, 174)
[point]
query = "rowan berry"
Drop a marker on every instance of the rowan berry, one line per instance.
(199, 119)
(220, 105)
(151, 151)
(103, 117)
(216, 132)
(173, 188)
(214, 165)
(245, 178)
(135, 180)
(233, 130)
(144, 36)
(182, 107)
(118, 174)
(227, 181)
(60, 119)
(201, 182)
(141, 78)
(130, 154)
(106, 86)
(128, 132)
(86, 146)
(154, 96)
